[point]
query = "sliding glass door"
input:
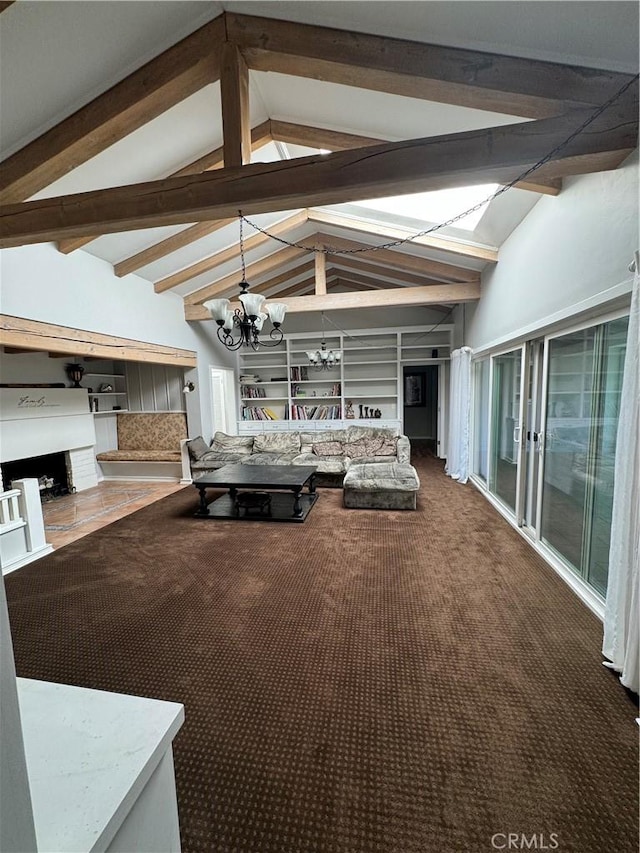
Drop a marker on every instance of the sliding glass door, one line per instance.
(506, 427)
(544, 433)
(583, 402)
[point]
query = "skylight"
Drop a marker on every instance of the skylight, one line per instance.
(437, 206)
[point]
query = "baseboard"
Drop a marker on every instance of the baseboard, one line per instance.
(141, 479)
(161, 472)
(27, 558)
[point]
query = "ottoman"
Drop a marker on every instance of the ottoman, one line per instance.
(380, 485)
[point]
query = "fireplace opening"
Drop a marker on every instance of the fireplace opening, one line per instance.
(50, 470)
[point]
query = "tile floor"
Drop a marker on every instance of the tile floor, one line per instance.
(73, 516)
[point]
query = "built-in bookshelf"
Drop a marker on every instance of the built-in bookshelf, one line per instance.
(107, 390)
(278, 387)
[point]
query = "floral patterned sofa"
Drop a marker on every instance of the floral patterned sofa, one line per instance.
(331, 451)
(148, 447)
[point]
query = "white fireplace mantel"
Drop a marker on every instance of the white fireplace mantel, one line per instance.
(37, 421)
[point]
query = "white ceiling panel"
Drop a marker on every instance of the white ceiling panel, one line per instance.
(369, 113)
(57, 56)
(116, 247)
(209, 245)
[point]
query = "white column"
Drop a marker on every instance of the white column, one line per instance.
(31, 511)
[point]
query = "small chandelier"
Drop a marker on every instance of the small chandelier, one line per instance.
(324, 359)
(243, 326)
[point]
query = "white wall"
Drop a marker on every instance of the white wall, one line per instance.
(570, 248)
(81, 291)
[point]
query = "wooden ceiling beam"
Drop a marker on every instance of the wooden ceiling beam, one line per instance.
(403, 260)
(397, 297)
(469, 78)
(387, 232)
(168, 245)
(351, 285)
(234, 93)
(47, 337)
(260, 135)
(254, 270)
(172, 76)
(321, 273)
(322, 137)
(282, 279)
(300, 287)
(378, 284)
(319, 137)
(498, 155)
(354, 263)
(230, 253)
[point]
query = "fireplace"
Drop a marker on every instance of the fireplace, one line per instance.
(48, 433)
(51, 470)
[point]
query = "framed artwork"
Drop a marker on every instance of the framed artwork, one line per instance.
(414, 386)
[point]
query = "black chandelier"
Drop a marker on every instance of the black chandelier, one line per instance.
(242, 326)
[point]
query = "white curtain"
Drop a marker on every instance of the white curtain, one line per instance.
(459, 415)
(622, 610)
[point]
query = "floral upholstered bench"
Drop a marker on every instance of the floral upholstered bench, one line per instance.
(387, 485)
(148, 447)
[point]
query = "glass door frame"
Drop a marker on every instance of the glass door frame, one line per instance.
(566, 330)
(519, 425)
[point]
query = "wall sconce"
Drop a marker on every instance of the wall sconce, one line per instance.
(188, 388)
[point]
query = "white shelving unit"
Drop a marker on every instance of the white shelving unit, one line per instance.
(103, 402)
(278, 386)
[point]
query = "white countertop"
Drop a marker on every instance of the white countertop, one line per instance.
(89, 755)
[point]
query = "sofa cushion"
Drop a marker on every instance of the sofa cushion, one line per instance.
(139, 456)
(366, 446)
(223, 456)
(328, 448)
(389, 447)
(210, 464)
(232, 443)
(274, 458)
(197, 447)
(308, 439)
(355, 433)
(277, 442)
(323, 464)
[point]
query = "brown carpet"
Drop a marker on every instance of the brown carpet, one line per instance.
(367, 681)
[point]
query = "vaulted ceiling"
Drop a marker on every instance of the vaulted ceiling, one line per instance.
(297, 124)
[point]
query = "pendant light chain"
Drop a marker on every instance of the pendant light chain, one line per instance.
(242, 261)
(328, 250)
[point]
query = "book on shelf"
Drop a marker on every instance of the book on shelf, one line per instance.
(252, 391)
(299, 374)
(316, 413)
(258, 413)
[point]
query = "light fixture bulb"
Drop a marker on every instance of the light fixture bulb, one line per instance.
(252, 303)
(218, 308)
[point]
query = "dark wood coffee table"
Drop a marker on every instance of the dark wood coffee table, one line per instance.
(252, 478)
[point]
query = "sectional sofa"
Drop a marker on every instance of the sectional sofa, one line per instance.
(331, 451)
